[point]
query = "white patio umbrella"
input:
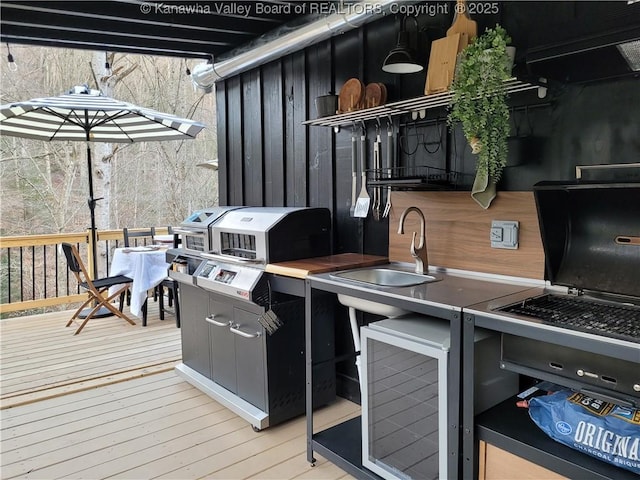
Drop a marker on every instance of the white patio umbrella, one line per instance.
(86, 115)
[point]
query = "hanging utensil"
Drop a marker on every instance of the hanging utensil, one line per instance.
(390, 167)
(377, 191)
(354, 170)
(363, 201)
(269, 319)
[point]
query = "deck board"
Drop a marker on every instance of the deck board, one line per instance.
(108, 404)
(40, 357)
(154, 429)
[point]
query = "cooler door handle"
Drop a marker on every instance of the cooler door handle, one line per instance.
(236, 329)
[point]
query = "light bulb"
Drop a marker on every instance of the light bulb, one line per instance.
(107, 66)
(13, 66)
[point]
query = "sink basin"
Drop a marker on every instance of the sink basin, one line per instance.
(384, 277)
(370, 306)
(380, 277)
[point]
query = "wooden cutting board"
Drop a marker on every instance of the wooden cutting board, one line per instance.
(444, 51)
(463, 25)
(442, 64)
(332, 263)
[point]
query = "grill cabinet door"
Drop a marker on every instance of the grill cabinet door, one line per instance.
(223, 351)
(193, 328)
(250, 358)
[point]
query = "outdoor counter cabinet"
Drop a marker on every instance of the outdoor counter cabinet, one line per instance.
(444, 330)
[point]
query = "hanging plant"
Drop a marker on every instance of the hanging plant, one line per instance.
(479, 99)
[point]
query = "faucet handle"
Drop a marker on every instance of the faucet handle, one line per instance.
(420, 247)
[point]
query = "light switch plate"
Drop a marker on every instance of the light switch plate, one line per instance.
(504, 234)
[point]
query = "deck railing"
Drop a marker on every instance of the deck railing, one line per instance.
(34, 273)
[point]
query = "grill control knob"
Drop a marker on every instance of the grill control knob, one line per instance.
(636, 387)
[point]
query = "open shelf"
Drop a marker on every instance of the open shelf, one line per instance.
(418, 104)
(509, 427)
(342, 445)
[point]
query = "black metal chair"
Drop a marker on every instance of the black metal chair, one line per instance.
(172, 287)
(95, 288)
(129, 235)
(131, 240)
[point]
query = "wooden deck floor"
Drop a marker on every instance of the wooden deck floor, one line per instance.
(107, 404)
(40, 358)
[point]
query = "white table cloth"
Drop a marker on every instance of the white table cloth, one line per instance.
(147, 267)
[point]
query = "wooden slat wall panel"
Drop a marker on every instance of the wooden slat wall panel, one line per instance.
(295, 87)
(458, 232)
(252, 138)
(321, 144)
(349, 235)
(235, 175)
(222, 129)
(273, 115)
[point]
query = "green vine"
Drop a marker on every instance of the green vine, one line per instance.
(479, 99)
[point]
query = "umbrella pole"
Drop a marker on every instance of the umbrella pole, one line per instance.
(92, 207)
(103, 311)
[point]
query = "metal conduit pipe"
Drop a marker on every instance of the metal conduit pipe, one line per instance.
(204, 75)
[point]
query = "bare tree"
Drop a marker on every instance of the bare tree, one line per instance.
(44, 185)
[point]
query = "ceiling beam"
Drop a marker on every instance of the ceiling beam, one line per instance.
(123, 25)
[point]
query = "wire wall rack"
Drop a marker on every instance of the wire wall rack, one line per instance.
(418, 178)
(415, 106)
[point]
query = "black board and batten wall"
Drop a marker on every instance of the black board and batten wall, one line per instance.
(269, 158)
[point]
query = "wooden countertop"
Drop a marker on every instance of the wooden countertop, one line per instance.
(307, 266)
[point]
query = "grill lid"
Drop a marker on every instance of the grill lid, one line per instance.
(591, 235)
(255, 219)
(201, 219)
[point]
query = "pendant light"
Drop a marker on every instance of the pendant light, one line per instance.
(401, 59)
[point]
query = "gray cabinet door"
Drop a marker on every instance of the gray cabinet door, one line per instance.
(250, 343)
(193, 329)
(223, 350)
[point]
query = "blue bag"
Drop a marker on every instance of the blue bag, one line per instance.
(603, 430)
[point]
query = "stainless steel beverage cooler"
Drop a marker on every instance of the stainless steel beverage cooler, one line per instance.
(405, 406)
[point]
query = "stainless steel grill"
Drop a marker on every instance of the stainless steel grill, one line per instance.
(246, 239)
(242, 339)
(583, 315)
(196, 228)
(583, 331)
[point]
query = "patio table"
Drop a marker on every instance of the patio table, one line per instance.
(147, 266)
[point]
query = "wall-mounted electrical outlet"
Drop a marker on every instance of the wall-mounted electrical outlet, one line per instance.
(504, 234)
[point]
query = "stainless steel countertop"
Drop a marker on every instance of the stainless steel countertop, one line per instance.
(478, 295)
(454, 290)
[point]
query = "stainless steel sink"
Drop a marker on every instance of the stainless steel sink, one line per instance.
(378, 277)
(384, 277)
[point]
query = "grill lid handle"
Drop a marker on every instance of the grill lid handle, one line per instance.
(231, 259)
(188, 232)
